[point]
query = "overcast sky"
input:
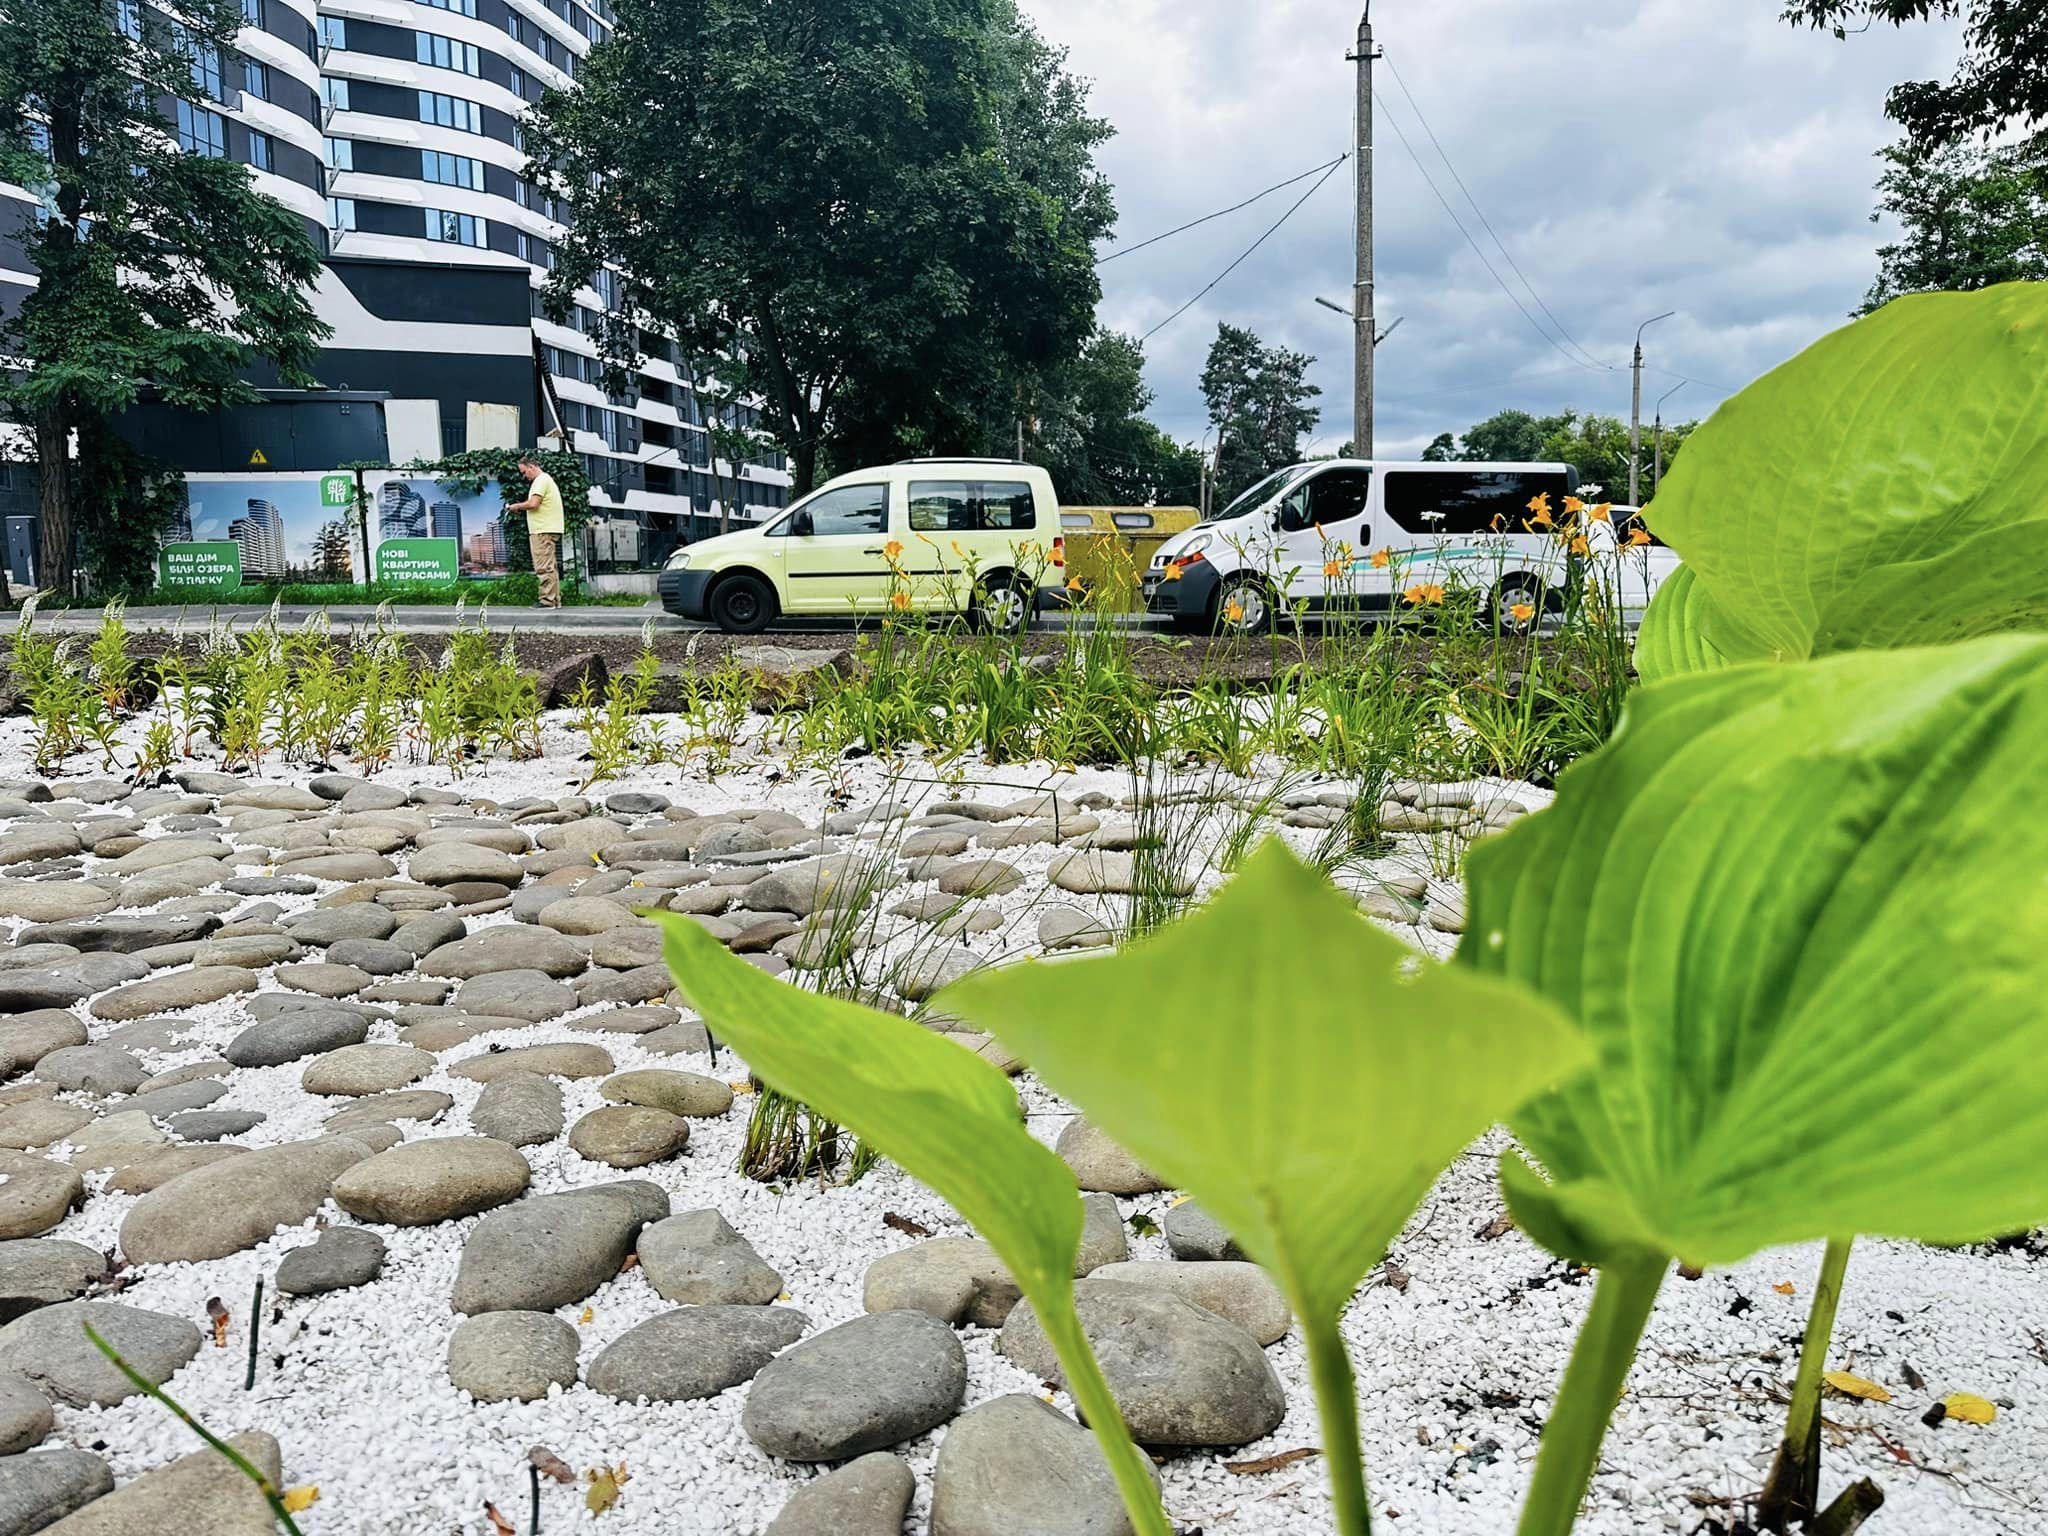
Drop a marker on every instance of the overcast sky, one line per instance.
(1633, 155)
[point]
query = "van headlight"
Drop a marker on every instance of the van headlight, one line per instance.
(680, 560)
(1194, 546)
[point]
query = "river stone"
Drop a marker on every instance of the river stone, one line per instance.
(529, 996)
(27, 991)
(198, 1125)
(814, 885)
(586, 915)
(627, 949)
(1017, 1463)
(321, 979)
(698, 1258)
(629, 1135)
(35, 1194)
(686, 1037)
(642, 1020)
(505, 947)
(337, 1260)
(161, 1103)
(39, 1123)
(428, 931)
(693, 1352)
(199, 1494)
(570, 1060)
(25, 1420)
(426, 1105)
(357, 1070)
(175, 989)
(955, 1279)
(236, 1203)
(917, 976)
(865, 1385)
(97, 1069)
(289, 1036)
(27, 1038)
(322, 926)
(979, 877)
(50, 1348)
(42, 1271)
(1234, 1289)
(373, 957)
(115, 1141)
(642, 984)
(454, 863)
(1100, 1164)
(1071, 928)
(867, 1497)
(548, 1251)
(1096, 872)
(124, 932)
(52, 901)
(251, 951)
(1181, 1374)
(45, 1486)
(156, 1169)
(512, 1356)
(1193, 1234)
(438, 1179)
(38, 840)
(680, 1093)
(520, 1109)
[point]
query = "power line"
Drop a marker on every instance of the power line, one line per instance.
(1491, 270)
(1486, 223)
(1220, 212)
(1328, 172)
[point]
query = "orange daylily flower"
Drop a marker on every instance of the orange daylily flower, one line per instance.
(1073, 583)
(900, 601)
(1540, 504)
(1573, 506)
(893, 550)
(1521, 613)
(1578, 545)
(1381, 558)
(1233, 611)
(1542, 519)
(1425, 594)
(1638, 537)
(1332, 569)
(1601, 513)
(1171, 573)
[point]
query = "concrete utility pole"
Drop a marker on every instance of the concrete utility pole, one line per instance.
(1657, 432)
(1635, 414)
(1361, 301)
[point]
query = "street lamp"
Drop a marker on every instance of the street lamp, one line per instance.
(1344, 311)
(1635, 413)
(1657, 436)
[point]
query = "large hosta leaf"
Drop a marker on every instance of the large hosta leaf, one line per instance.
(947, 1117)
(1673, 639)
(1304, 1074)
(1887, 443)
(1802, 913)
(1986, 584)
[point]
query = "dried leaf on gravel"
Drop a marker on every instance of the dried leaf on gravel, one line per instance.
(905, 1225)
(1785, 1288)
(551, 1465)
(630, 1262)
(500, 1526)
(1912, 1377)
(1500, 1226)
(605, 1483)
(1395, 1276)
(1272, 1463)
(1969, 1407)
(1850, 1385)
(301, 1498)
(588, 1314)
(218, 1315)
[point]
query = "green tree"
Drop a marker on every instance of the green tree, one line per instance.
(1969, 217)
(877, 211)
(1595, 445)
(331, 561)
(1259, 405)
(1088, 428)
(155, 268)
(1442, 449)
(2001, 79)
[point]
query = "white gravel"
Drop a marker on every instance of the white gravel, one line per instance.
(1454, 1371)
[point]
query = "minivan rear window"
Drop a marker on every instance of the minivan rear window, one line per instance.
(971, 506)
(1465, 502)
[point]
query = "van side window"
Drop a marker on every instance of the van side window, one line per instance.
(850, 510)
(1468, 502)
(1338, 494)
(971, 506)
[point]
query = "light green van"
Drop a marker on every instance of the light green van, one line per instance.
(980, 536)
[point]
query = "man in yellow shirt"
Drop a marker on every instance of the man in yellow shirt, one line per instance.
(544, 527)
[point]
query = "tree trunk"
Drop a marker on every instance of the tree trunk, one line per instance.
(803, 466)
(53, 465)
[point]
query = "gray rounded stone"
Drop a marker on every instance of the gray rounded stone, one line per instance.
(586, 915)
(548, 1251)
(35, 1194)
(955, 1279)
(200, 1494)
(629, 1135)
(49, 1347)
(863, 1386)
(236, 1203)
(97, 1069)
(1018, 1464)
(520, 1109)
(289, 1036)
(696, 1257)
(512, 1356)
(693, 1352)
(376, 957)
(1234, 1289)
(39, 1123)
(455, 863)
(980, 877)
(158, 1103)
(337, 1260)
(570, 1060)
(321, 979)
(322, 926)
(1181, 1374)
(680, 1093)
(175, 989)
(27, 1038)
(530, 996)
(866, 1497)
(26, 991)
(26, 1418)
(357, 1070)
(425, 1105)
(251, 951)
(43, 1487)
(213, 1124)
(1193, 1234)
(1070, 928)
(156, 1169)
(505, 947)
(428, 931)
(43, 1271)
(442, 1178)
(1100, 1164)
(644, 1020)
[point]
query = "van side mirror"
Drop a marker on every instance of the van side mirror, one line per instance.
(800, 525)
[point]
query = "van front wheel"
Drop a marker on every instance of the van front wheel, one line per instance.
(1244, 607)
(1518, 605)
(1003, 603)
(743, 605)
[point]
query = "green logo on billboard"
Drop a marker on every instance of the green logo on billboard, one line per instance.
(417, 560)
(214, 563)
(337, 491)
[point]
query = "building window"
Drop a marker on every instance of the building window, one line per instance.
(259, 150)
(334, 91)
(128, 17)
(451, 112)
(201, 132)
(341, 213)
(460, 7)
(339, 154)
(256, 79)
(512, 27)
(516, 77)
(205, 62)
(456, 228)
(451, 170)
(522, 192)
(334, 32)
(445, 53)
(252, 12)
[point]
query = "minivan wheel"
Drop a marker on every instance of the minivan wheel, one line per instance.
(1244, 607)
(742, 605)
(1518, 591)
(1003, 604)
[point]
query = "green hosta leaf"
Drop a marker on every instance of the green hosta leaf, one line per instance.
(1303, 1074)
(1673, 640)
(1802, 913)
(1987, 584)
(1890, 442)
(947, 1117)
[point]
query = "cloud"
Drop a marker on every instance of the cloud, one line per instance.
(1633, 155)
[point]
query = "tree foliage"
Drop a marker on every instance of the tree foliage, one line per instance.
(1593, 444)
(2001, 79)
(156, 269)
(1969, 217)
(1088, 428)
(1260, 405)
(471, 472)
(878, 211)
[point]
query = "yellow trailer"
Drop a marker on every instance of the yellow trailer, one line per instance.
(1108, 549)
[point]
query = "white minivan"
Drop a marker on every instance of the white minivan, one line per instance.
(1352, 534)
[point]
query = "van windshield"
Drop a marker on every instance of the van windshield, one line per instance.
(1248, 501)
